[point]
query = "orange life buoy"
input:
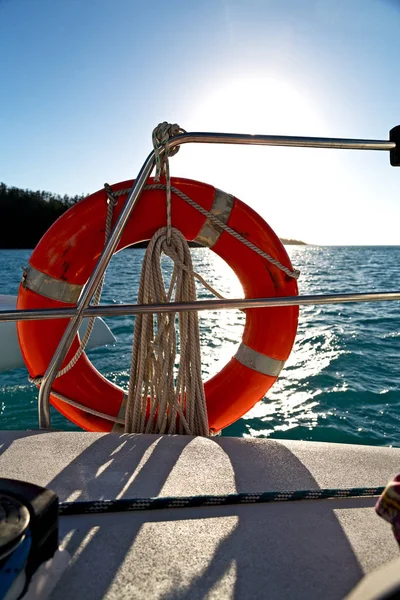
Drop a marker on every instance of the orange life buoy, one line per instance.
(66, 255)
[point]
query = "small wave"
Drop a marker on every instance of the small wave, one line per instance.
(392, 334)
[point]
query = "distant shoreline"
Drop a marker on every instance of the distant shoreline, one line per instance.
(287, 242)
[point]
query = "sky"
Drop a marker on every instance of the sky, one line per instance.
(84, 82)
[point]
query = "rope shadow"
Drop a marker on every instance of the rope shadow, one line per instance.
(289, 538)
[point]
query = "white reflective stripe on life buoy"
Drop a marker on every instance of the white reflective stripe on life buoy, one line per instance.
(221, 207)
(50, 287)
(258, 362)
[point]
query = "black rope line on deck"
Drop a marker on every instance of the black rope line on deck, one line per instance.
(135, 504)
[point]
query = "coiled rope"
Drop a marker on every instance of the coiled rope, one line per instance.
(157, 402)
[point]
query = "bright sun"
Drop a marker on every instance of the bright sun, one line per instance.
(285, 185)
(257, 104)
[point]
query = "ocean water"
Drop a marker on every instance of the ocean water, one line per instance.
(341, 382)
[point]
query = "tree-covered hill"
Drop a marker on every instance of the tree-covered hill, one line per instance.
(26, 215)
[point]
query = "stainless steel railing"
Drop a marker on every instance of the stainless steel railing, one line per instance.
(82, 308)
(120, 310)
(279, 140)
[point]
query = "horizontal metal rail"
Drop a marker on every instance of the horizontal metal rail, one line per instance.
(176, 307)
(279, 140)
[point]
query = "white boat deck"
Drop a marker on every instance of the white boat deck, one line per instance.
(305, 549)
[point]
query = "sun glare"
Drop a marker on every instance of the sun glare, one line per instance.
(285, 185)
(257, 104)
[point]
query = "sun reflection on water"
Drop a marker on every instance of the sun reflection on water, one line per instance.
(220, 331)
(294, 400)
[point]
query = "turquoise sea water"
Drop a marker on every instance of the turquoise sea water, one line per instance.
(341, 382)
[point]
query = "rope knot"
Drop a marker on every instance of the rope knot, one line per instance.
(161, 136)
